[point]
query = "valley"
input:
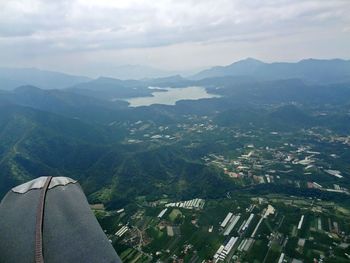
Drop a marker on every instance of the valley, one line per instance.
(163, 173)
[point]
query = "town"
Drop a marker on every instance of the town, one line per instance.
(284, 208)
(272, 228)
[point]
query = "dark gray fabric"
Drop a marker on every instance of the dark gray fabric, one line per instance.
(17, 227)
(71, 232)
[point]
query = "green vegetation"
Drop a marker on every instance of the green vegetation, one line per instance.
(282, 143)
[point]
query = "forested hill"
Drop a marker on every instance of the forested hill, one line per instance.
(118, 153)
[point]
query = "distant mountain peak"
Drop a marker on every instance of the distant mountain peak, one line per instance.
(247, 61)
(250, 60)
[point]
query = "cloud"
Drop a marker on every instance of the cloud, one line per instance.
(139, 23)
(31, 28)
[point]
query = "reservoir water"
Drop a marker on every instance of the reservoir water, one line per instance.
(169, 96)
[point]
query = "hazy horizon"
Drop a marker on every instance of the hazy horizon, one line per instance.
(158, 73)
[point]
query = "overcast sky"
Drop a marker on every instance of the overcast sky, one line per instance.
(91, 36)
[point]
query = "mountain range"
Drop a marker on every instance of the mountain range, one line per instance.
(309, 70)
(77, 130)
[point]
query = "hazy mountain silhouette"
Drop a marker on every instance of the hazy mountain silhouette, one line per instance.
(314, 70)
(11, 78)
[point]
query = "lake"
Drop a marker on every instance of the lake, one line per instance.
(169, 96)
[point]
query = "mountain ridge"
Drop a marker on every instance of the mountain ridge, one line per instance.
(312, 70)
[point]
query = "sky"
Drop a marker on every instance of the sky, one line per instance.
(95, 37)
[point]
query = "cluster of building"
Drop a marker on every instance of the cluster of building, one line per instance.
(243, 238)
(329, 136)
(245, 244)
(146, 131)
(223, 251)
(196, 203)
(254, 164)
(231, 221)
(227, 226)
(122, 231)
(336, 188)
